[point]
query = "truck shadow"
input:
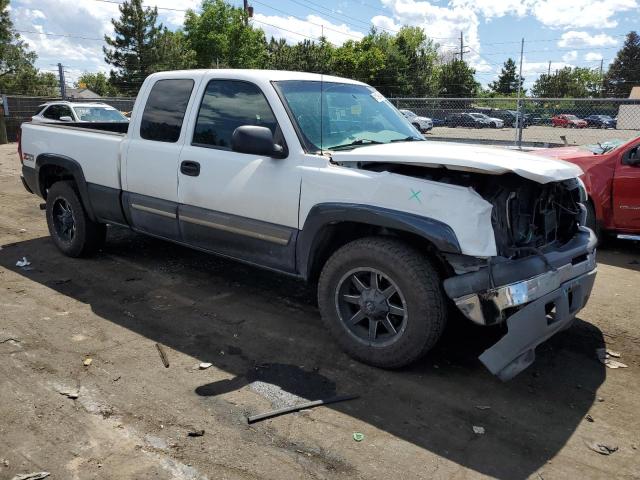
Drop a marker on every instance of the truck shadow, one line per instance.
(265, 328)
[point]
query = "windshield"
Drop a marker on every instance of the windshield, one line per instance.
(99, 114)
(348, 117)
(478, 115)
(604, 147)
(571, 117)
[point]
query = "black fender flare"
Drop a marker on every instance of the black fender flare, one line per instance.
(73, 167)
(322, 215)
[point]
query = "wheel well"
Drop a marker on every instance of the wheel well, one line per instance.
(50, 174)
(336, 235)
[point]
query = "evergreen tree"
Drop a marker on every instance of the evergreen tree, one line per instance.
(508, 80)
(624, 72)
(134, 48)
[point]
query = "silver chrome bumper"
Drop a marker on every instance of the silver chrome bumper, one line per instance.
(497, 300)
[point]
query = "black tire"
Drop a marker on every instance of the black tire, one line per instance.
(76, 235)
(592, 222)
(494, 125)
(419, 289)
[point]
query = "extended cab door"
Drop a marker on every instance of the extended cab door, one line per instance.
(626, 190)
(240, 205)
(150, 166)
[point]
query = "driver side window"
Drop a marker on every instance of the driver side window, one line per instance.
(227, 105)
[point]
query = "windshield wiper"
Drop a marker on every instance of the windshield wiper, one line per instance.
(355, 143)
(407, 139)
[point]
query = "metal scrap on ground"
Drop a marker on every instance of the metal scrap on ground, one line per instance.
(606, 358)
(301, 406)
(31, 476)
(602, 448)
(163, 355)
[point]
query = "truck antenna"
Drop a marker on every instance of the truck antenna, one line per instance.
(321, 92)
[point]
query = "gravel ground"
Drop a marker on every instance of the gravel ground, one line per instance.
(263, 335)
(539, 134)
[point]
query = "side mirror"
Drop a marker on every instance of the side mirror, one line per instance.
(256, 141)
(66, 118)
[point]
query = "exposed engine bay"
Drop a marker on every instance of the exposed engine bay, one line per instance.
(528, 218)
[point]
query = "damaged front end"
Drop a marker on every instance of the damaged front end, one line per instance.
(543, 273)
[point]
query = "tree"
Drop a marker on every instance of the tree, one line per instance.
(508, 80)
(98, 83)
(624, 72)
(421, 55)
(221, 36)
(457, 79)
(570, 82)
(17, 71)
(174, 52)
(134, 49)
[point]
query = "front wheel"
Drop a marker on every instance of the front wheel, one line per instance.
(71, 229)
(382, 301)
(592, 221)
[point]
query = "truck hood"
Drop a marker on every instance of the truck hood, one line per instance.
(456, 156)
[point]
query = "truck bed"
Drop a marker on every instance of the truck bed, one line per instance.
(92, 145)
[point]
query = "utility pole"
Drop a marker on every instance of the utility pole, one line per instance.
(248, 10)
(549, 70)
(519, 118)
(461, 47)
(601, 77)
(63, 87)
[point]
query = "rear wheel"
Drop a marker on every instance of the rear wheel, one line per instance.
(382, 301)
(71, 229)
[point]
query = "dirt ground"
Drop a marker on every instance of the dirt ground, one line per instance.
(263, 335)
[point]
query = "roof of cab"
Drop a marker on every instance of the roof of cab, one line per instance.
(253, 74)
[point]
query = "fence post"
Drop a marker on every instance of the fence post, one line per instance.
(3, 123)
(519, 118)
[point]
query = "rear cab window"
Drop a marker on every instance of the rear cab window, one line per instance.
(165, 109)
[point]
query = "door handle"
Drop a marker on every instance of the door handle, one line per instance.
(190, 168)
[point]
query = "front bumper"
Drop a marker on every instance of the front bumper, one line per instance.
(534, 324)
(537, 297)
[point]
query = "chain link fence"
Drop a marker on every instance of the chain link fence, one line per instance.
(538, 122)
(19, 108)
(542, 122)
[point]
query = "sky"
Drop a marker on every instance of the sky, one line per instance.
(563, 32)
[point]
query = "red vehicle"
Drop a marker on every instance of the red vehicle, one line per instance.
(612, 179)
(565, 120)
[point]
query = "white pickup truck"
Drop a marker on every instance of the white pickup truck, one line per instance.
(322, 178)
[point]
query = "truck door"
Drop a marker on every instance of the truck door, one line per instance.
(150, 166)
(241, 205)
(626, 190)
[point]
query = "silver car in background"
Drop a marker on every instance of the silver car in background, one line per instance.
(423, 124)
(62, 111)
